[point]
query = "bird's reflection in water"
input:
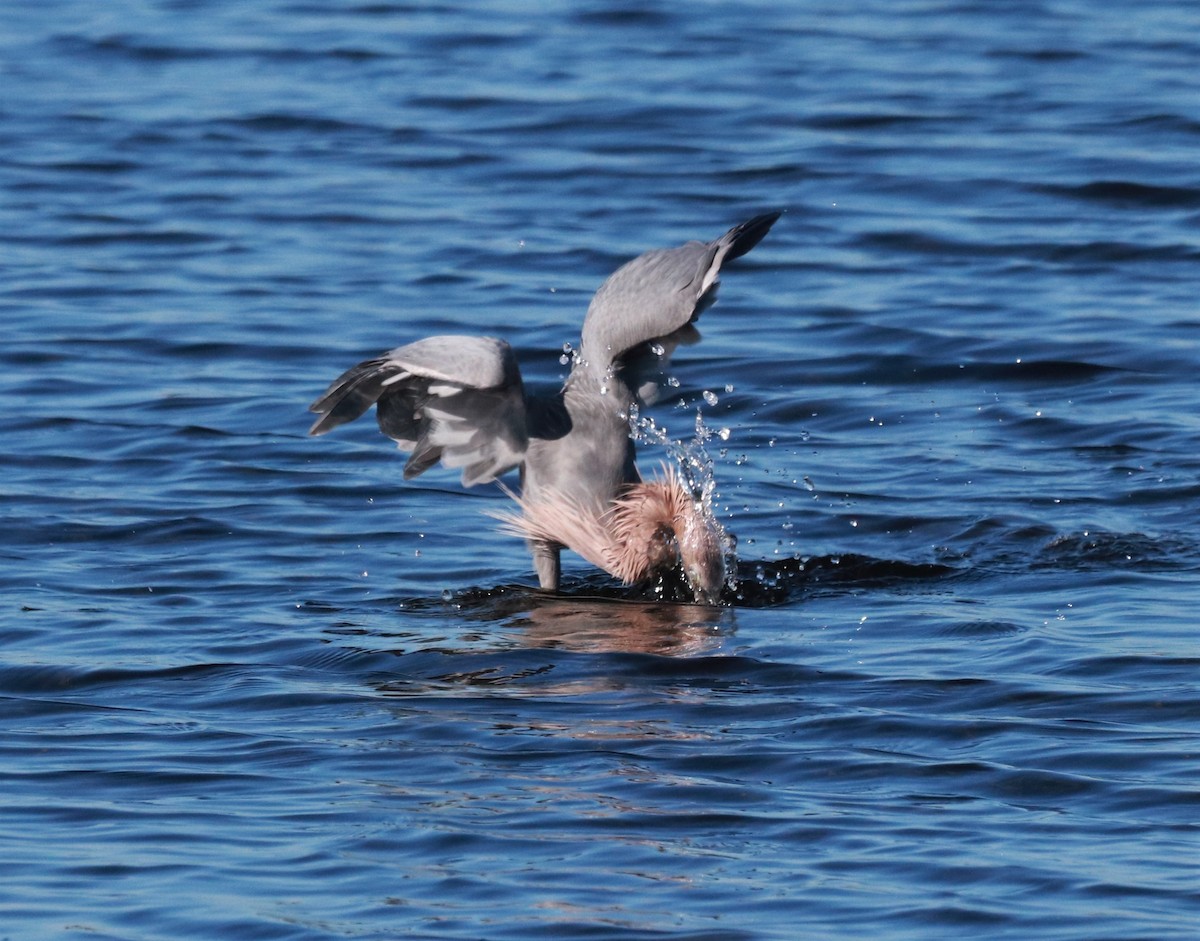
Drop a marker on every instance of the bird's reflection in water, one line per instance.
(602, 622)
(513, 640)
(522, 642)
(631, 627)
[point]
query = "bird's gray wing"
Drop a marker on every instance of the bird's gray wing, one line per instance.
(648, 305)
(457, 399)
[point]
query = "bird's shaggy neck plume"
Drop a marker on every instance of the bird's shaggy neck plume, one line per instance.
(651, 527)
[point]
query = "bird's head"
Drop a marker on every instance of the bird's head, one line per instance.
(660, 526)
(703, 547)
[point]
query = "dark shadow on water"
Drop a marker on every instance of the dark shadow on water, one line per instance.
(758, 585)
(767, 584)
(596, 614)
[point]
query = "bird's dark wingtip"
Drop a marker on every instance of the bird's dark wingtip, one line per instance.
(744, 237)
(320, 426)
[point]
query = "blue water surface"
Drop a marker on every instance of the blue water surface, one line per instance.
(253, 685)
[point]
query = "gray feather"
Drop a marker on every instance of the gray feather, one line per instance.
(458, 400)
(660, 292)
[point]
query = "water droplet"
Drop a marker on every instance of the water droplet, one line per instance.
(657, 349)
(808, 484)
(673, 382)
(724, 434)
(447, 594)
(710, 397)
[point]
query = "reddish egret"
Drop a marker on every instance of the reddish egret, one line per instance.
(460, 400)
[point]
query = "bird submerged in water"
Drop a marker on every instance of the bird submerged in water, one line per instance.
(460, 400)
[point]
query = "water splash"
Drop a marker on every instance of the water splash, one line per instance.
(696, 470)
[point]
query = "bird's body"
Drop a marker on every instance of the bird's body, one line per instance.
(460, 400)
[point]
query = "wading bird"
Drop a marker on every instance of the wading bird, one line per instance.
(460, 400)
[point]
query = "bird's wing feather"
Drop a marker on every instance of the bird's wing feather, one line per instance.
(454, 399)
(652, 301)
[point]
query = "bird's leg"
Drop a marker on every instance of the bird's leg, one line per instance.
(546, 563)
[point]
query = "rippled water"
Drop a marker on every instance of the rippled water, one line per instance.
(253, 685)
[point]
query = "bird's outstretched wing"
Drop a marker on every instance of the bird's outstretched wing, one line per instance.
(648, 305)
(457, 399)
